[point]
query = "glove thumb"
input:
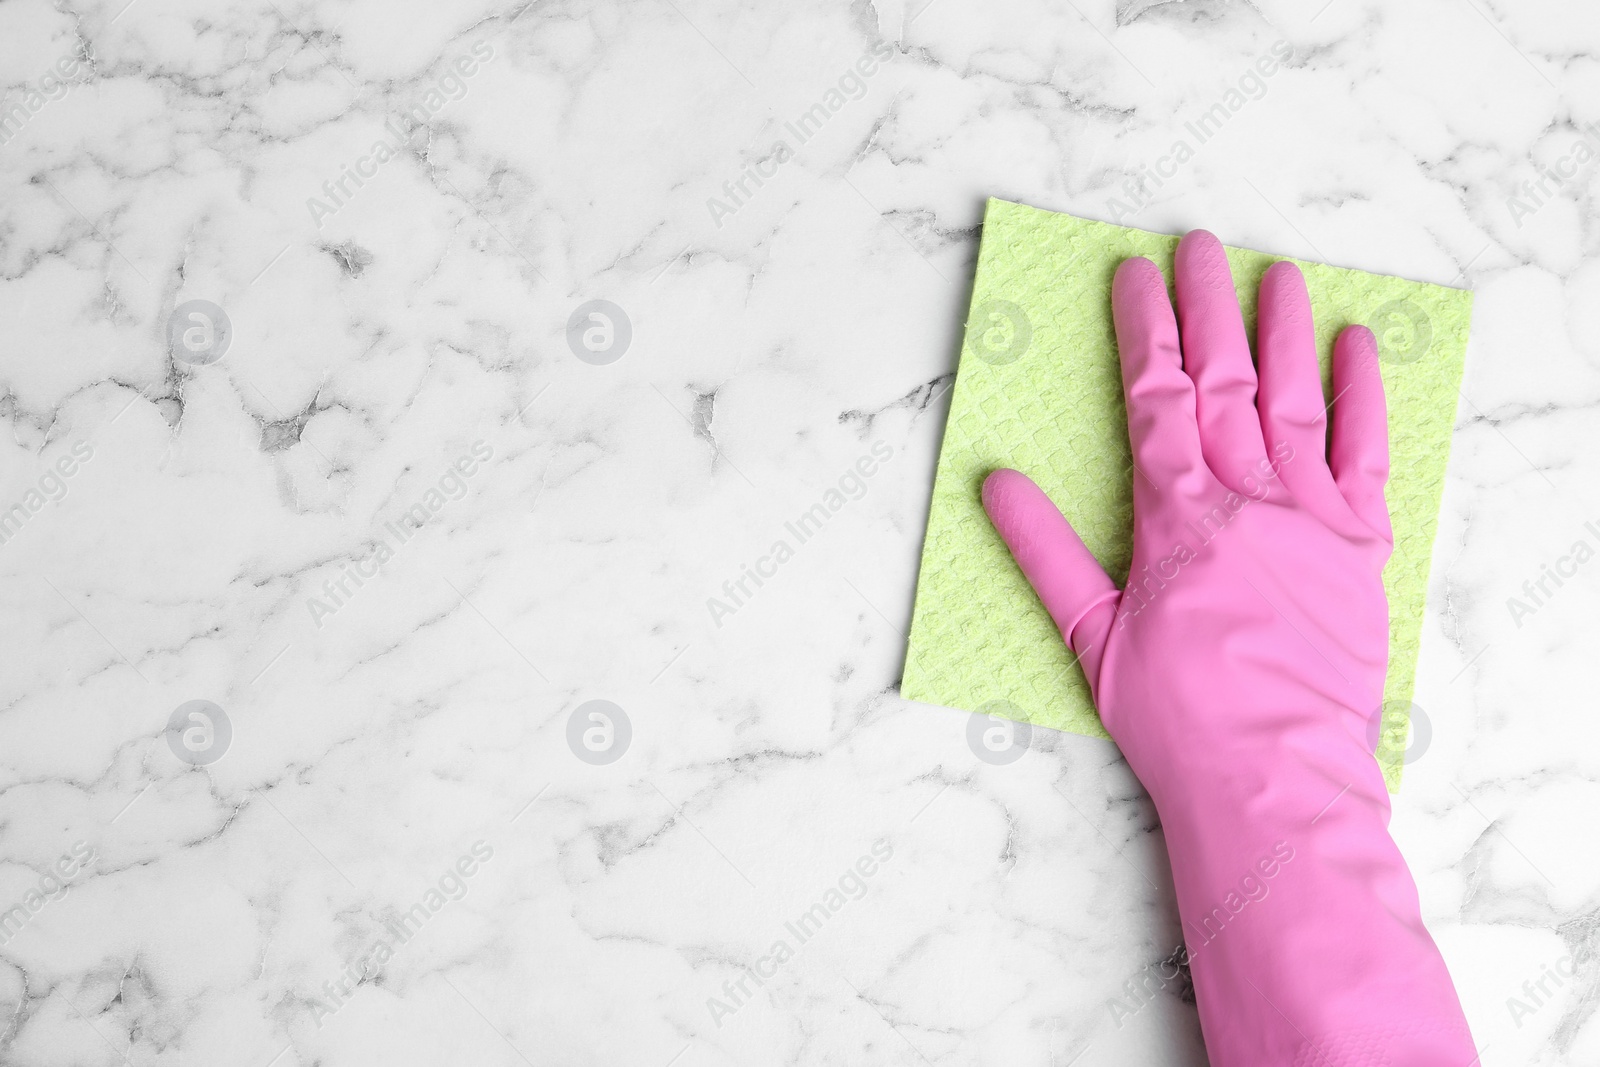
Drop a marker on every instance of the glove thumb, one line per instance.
(1069, 581)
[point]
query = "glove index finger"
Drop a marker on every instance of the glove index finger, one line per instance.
(1160, 396)
(1063, 572)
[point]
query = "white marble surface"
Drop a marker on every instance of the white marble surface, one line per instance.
(376, 742)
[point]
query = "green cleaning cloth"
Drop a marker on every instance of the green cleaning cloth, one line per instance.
(1039, 388)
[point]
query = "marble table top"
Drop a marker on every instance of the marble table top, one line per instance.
(394, 391)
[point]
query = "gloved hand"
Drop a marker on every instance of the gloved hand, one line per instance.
(1241, 666)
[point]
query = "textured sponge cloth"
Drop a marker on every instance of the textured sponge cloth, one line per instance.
(1039, 389)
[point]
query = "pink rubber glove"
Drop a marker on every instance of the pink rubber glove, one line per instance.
(1240, 669)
